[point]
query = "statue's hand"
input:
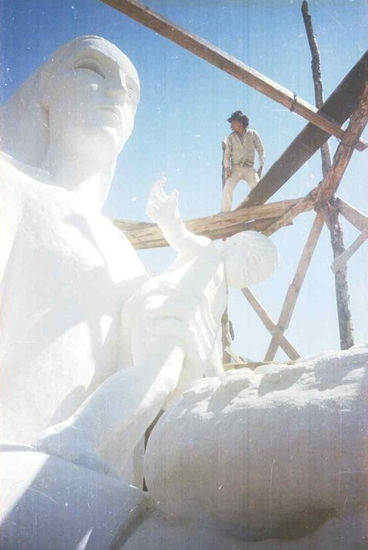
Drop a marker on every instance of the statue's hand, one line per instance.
(161, 207)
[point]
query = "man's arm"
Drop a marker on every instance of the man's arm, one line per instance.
(227, 157)
(260, 151)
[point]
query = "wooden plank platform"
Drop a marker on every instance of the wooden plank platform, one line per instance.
(148, 235)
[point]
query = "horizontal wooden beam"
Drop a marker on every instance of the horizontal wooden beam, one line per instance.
(340, 105)
(148, 235)
(227, 63)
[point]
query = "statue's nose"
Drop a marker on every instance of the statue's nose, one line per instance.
(118, 89)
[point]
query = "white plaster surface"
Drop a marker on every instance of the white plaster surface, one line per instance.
(65, 270)
(89, 340)
(269, 453)
(47, 503)
(158, 532)
(169, 327)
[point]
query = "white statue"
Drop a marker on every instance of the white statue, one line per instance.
(67, 273)
(65, 270)
(171, 324)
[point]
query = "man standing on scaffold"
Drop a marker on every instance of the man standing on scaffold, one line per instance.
(239, 153)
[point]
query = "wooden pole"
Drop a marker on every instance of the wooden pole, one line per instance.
(270, 324)
(317, 79)
(227, 331)
(296, 284)
(336, 234)
(341, 287)
(227, 63)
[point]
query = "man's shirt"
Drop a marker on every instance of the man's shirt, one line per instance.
(240, 150)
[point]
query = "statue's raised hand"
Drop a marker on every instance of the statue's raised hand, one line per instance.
(161, 207)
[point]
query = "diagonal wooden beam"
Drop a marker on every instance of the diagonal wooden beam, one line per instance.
(305, 204)
(341, 260)
(340, 105)
(270, 324)
(227, 63)
(296, 284)
(345, 149)
(354, 216)
(319, 196)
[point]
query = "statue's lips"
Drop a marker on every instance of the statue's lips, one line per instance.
(115, 112)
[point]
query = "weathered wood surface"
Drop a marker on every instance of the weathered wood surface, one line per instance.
(340, 105)
(227, 63)
(303, 205)
(336, 234)
(331, 181)
(354, 216)
(331, 214)
(148, 235)
(270, 324)
(317, 78)
(341, 260)
(345, 149)
(296, 284)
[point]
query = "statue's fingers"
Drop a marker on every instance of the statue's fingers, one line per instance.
(161, 187)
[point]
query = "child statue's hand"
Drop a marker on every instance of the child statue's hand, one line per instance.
(162, 207)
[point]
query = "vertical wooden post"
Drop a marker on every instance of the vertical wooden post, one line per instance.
(227, 334)
(341, 284)
(331, 212)
(317, 79)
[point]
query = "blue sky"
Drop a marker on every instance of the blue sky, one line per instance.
(181, 121)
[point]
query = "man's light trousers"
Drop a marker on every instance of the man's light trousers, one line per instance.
(238, 173)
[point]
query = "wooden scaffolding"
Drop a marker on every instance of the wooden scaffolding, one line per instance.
(348, 101)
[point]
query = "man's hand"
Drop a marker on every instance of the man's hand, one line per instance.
(259, 171)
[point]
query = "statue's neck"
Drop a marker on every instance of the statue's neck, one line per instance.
(81, 176)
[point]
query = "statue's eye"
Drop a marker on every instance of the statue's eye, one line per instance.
(133, 89)
(90, 65)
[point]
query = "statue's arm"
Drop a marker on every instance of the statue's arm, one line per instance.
(163, 210)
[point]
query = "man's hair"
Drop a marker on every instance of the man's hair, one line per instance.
(238, 115)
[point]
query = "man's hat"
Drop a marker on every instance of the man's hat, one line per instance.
(238, 115)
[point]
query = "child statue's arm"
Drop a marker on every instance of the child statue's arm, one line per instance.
(163, 210)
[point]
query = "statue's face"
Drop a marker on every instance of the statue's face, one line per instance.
(92, 103)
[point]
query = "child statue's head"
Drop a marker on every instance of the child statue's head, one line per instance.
(248, 257)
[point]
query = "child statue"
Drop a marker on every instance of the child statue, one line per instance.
(181, 312)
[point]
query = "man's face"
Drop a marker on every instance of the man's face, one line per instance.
(237, 126)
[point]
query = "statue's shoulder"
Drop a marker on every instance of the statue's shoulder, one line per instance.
(9, 175)
(17, 171)
(8, 166)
